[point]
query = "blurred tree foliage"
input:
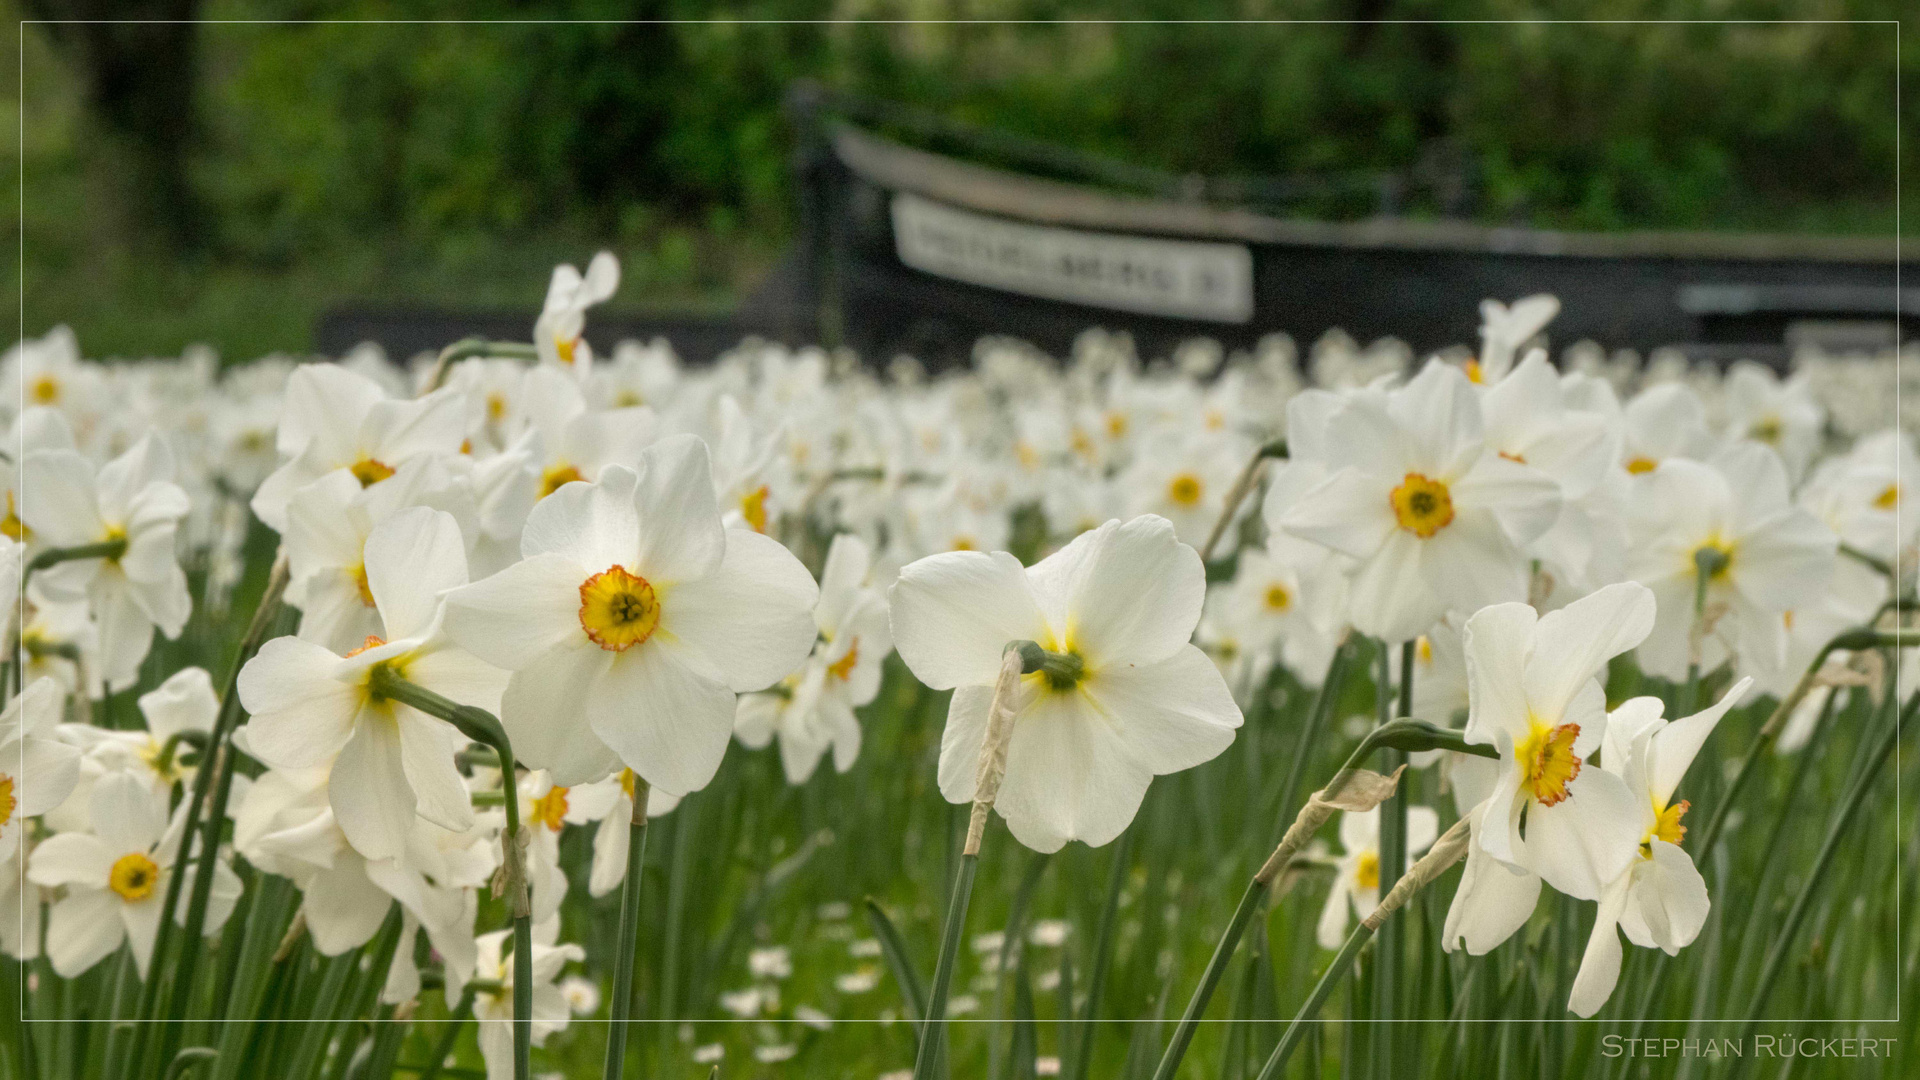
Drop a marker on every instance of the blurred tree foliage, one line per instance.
(424, 158)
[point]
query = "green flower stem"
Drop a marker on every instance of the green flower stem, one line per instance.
(1403, 735)
(1446, 851)
(933, 1028)
(212, 782)
(1849, 806)
(470, 348)
(1393, 863)
(1238, 493)
(1076, 1068)
(481, 726)
(1017, 659)
(1324, 702)
(451, 1034)
(621, 1013)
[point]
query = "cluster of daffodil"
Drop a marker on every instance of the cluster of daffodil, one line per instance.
(517, 590)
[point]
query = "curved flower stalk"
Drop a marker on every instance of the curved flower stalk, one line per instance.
(116, 878)
(1434, 518)
(633, 621)
(1660, 901)
(389, 760)
(131, 510)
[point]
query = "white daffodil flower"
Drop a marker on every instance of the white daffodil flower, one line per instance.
(1494, 899)
(184, 703)
(812, 710)
(37, 770)
(1185, 478)
(557, 333)
(1529, 419)
(335, 418)
(1435, 517)
(1867, 495)
(1289, 597)
(633, 622)
(116, 878)
(1763, 556)
(1663, 423)
(21, 905)
(567, 441)
(744, 470)
(494, 1009)
(285, 825)
(1782, 415)
(1535, 696)
(310, 704)
(328, 523)
(1356, 875)
(1504, 329)
(131, 499)
(1123, 600)
(1661, 899)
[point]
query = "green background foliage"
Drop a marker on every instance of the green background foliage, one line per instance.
(455, 163)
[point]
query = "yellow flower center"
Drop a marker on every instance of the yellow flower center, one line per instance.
(1116, 424)
(1366, 875)
(1278, 598)
(964, 543)
(1666, 826)
(1474, 372)
(12, 526)
(842, 668)
(558, 477)
(46, 390)
(1422, 505)
(133, 876)
(1886, 500)
(496, 405)
(1548, 762)
(753, 507)
(618, 610)
(1766, 429)
(626, 782)
(370, 472)
(360, 582)
(1185, 489)
(6, 799)
(627, 399)
(1641, 466)
(551, 809)
(1423, 647)
(1518, 459)
(565, 347)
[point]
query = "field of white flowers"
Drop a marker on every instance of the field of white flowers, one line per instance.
(531, 712)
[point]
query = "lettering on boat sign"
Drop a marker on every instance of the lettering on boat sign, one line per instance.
(1181, 278)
